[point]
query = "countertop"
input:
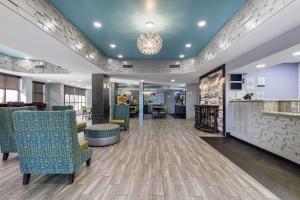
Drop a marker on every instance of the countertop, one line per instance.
(267, 100)
(284, 114)
(207, 105)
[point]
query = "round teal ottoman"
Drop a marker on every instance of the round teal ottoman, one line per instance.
(99, 135)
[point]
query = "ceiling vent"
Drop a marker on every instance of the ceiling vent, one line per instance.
(127, 66)
(39, 66)
(174, 66)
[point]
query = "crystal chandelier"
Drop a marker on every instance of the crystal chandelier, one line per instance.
(149, 43)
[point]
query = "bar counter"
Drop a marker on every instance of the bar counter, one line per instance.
(273, 125)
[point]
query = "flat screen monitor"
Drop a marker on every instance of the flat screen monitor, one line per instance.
(236, 77)
(236, 86)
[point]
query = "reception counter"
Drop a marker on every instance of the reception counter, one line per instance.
(273, 125)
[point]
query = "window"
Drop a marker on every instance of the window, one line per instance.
(2, 91)
(75, 97)
(11, 95)
(38, 92)
(9, 88)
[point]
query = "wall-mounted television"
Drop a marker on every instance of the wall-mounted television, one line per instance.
(236, 77)
(236, 86)
(236, 81)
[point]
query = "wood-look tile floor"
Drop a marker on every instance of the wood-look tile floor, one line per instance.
(156, 159)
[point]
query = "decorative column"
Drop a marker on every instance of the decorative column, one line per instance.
(100, 99)
(113, 93)
(191, 99)
(26, 90)
(141, 101)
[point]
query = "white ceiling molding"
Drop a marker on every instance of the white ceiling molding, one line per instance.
(46, 17)
(152, 66)
(43, 14)
(29, 66)
(249, 17)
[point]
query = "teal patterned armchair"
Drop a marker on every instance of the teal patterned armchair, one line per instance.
(120, 115)
(48, 144)
(61, 108)
(7, 135)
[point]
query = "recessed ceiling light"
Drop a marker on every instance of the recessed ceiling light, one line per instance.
(149, 24)
(113, 46)
(120, 56)
(181, 56)
(201, 23)
(261, 66)
(172, 80)
(97, 24)
(296, 53)
(142, 80)
(49, 80)
(188, 45)
(79, 80)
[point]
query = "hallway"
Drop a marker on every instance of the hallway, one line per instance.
(159, 159)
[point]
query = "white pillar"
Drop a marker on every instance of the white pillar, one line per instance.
(299, 81)
(141, 100)
(88, 98)
(191, 99)
(54, 94)
(26, 89)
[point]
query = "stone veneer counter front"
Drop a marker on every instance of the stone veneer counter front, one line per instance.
(261, 124)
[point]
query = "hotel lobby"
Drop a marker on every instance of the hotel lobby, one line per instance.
(150, 99)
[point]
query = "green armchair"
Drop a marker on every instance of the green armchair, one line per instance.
(61, 108)
(7, 134)
(120, 115)
(47, 143)
(80, 126)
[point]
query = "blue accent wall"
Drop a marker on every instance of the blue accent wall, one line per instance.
(281, 81)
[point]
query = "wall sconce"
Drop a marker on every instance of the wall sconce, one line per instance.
(106, 85)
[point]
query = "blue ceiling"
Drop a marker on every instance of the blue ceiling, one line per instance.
(123, 20)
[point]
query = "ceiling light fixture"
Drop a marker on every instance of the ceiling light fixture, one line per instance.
(79, 80)
(188, 45)
(261, 66)
(113, 46)
(296, 53)
(120, 56)
(142, 80)
(97, 24)
(149, 43)
(202, 23)
(181, 56)
(49, 80)
(149, 24)
(172, 80)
